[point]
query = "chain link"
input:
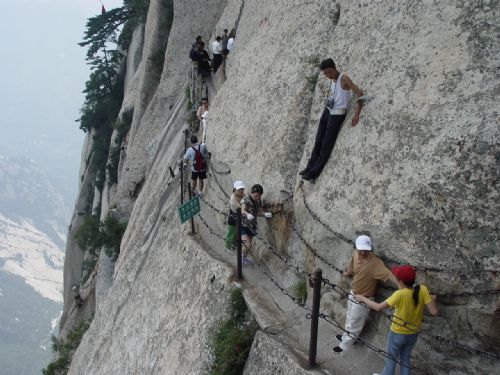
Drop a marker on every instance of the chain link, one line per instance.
(286, 200)
(314, 251)
(340, 236)
(349, 241)
(220, 186)
(283, 290)
(300, 269)
(291, 263)
(412, 327)
(210, 229)
(223, 173)
(215, 209)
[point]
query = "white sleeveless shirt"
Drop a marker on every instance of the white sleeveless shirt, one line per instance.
(340, 96)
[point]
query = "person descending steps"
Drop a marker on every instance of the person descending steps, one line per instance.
(196, 154)
(332, 118)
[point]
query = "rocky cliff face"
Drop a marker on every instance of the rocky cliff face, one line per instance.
(418, 173)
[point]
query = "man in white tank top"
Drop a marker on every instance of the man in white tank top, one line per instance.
(332, 118)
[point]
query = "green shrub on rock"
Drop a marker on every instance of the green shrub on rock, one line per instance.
(231, 338)
(65, 349)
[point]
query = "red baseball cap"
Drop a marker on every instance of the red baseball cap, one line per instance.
(404, 273)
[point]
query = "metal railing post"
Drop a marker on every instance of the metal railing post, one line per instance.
(181, 171)
(313, 343)
(238, 245)
(190, 193)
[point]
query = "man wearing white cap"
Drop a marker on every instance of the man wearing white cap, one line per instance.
(234, 204)
(366, 269)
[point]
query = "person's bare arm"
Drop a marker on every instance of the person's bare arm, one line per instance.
(359, 93)
(371, 304)
(431, 306)
(348, 272)
(393, 280)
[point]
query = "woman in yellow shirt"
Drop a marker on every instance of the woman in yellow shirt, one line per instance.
(408, 303)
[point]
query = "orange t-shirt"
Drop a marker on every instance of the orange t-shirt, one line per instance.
(366, 272)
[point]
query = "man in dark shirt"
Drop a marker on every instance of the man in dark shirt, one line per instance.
(225, 39)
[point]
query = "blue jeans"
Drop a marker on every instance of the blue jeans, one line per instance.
(399, 346)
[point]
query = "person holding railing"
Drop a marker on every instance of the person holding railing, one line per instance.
(408, 303)
(234, 204)
(366, 269)
(251, 206)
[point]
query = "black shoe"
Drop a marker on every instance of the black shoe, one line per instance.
(338, 337)
(337, 349)
(303, 171)
(308, 178)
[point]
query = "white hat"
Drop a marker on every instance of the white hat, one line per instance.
(239, 185)
(363, 243)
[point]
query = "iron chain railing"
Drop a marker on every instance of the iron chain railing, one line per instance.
(351, 242)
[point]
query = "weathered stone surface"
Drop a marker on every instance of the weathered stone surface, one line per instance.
(74, 256)
(155, 319)
(269, 357)
(151, 115)
(419, 172)
(264, 309)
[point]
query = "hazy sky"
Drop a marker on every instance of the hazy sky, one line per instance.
(42, 75)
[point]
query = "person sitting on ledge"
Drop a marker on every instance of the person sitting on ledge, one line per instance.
(332, 118)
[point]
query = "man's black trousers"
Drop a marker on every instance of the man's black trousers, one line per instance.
(216, 62)
(328, 130)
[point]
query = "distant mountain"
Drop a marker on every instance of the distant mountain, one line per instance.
(33, 225)
(26, 194)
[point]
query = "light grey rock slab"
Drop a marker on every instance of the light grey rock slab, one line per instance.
(265, 310)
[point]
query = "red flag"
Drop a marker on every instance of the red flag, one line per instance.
(103, 11)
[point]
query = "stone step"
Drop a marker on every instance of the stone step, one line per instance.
(269, 316)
